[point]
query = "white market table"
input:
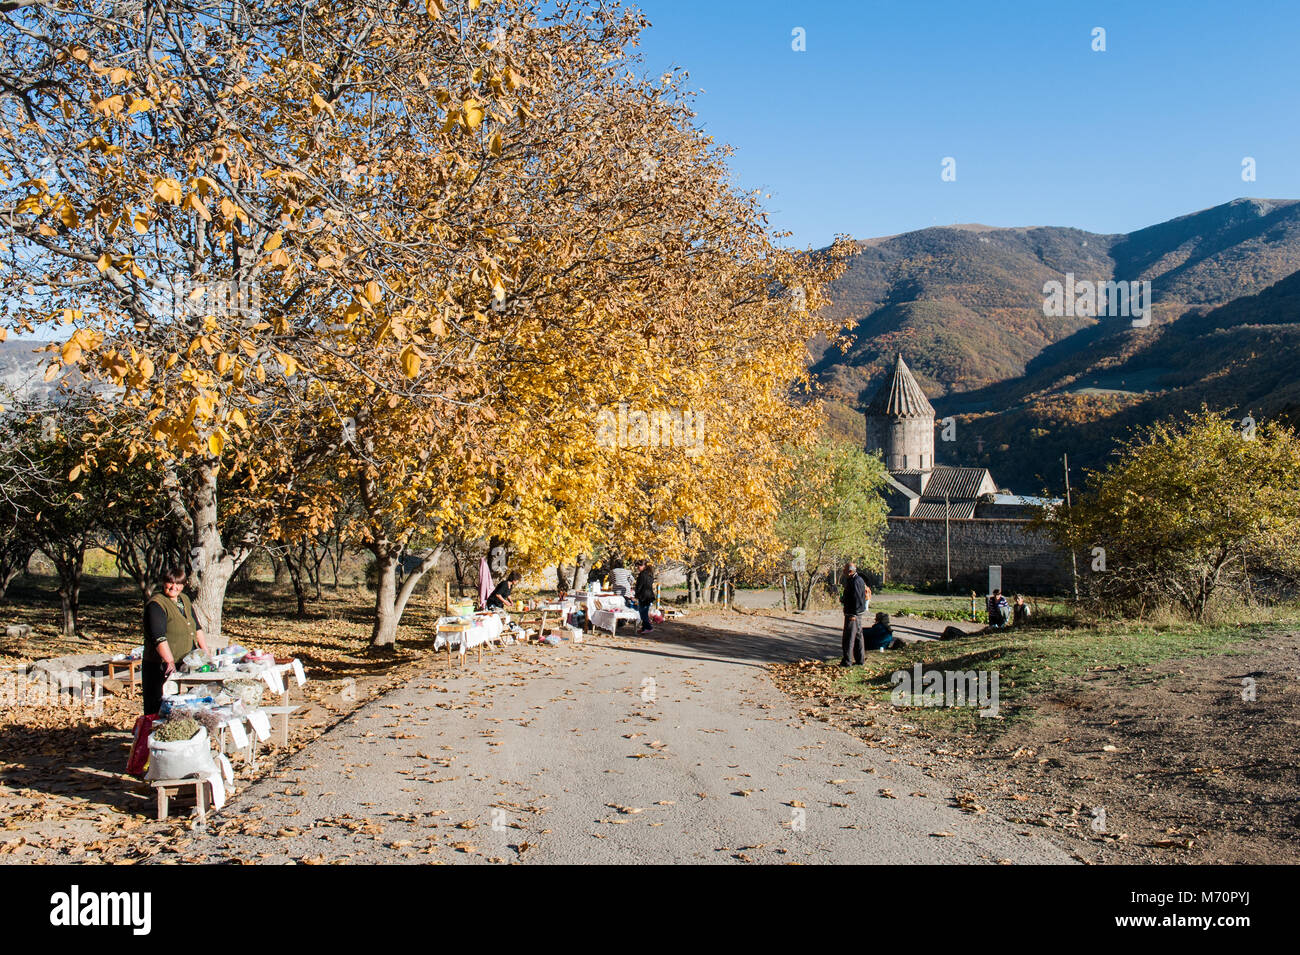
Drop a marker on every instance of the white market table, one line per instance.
(483, 628)
(606, 610)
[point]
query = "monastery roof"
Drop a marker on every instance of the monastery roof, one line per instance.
(958, 483)
(900, 396)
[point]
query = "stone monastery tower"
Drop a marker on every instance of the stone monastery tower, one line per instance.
(900, 422)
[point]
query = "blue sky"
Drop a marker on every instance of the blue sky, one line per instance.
(849, 135)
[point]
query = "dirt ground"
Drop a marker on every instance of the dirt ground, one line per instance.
(1165, 764)
(1162, 764)
(63, 793)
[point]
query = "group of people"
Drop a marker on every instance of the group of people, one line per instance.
(856, 600)
(856, 641)
(1000, 614)
(638, 591)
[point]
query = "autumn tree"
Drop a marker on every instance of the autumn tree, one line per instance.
(201, 198)
(57, 511)
(1189, 509)
(832, 510)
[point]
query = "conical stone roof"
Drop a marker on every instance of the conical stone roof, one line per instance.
(900, 396)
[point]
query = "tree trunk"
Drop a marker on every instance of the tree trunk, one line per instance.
(11, 565)
(582, 573)
(68, 563)
(390, 602)
(384, 632)
(212, 565)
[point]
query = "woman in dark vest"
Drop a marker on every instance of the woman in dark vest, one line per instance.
(171, 630)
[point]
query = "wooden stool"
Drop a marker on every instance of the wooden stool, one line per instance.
(167, 788)
(132, 667)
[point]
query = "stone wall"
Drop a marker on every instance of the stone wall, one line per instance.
(914, 555)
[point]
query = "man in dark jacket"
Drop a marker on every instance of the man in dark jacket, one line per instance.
(645, 593)
(855, 605)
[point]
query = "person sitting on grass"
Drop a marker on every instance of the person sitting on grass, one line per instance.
(1020, 612)
(880, 635)
(997, 608)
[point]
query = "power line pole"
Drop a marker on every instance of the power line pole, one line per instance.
(1074, 562)
(947, 537)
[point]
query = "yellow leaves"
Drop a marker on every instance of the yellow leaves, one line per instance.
(203, 185)
(109, 105)
(104, 262)
(494, 147)
(74, 473)
(410, 361)
(231, 212)
(100, 145)
(287, 363)
(67, 214)
(474, 5)
(320, 105)
(472, 113)
(144, 367)
(140, 105)
(435, 8)
(167, 190)
(223, 363)
(192, 201)
(514, 79)
(140, 221)
(273, 242)
(216, 443)
(30, 205)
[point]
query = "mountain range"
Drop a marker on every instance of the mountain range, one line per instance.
(965, 305)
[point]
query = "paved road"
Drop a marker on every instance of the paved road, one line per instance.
(625, 750)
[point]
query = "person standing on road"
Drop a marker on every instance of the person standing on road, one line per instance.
(855, 605)
(645, 593)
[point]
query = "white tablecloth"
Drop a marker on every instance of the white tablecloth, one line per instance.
(481, 630)
(605, 611)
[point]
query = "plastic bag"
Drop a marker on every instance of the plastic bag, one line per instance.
(139, 758)
(190, 757)
(195, 659)
(249, 692)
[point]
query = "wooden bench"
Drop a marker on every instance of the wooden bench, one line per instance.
(166, 788)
